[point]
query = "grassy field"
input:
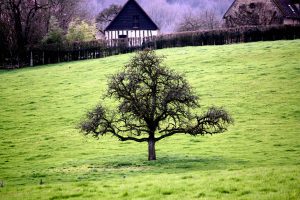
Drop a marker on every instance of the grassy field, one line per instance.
(42, 155)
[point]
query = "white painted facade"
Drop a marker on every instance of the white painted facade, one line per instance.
(129, 38)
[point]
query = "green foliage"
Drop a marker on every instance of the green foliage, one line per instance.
(55, 34)
(80, 31)
(257, 159)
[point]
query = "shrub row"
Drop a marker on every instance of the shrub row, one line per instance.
(226, 36)
(55, 53)
(46, 54)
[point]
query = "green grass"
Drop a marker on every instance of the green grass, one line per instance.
(258, 158)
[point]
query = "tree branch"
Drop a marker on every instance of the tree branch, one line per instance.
(122, 138)
(213, 122)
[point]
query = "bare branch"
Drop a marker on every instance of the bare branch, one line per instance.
(214, 121)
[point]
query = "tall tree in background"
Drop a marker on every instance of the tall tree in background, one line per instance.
(64, 11)
(207, 20)
(22, 16)
(106, 16)
(55, 34)
(168, 14)
(154, 103)
(26, 22)
(6, 33)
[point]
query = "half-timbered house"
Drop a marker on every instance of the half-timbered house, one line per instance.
(130, 27)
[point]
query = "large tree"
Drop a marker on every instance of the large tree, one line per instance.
(25, 22)
(106, 16)
(23, 17)
(154, 103)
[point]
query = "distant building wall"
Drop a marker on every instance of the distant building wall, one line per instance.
(253, 12)
(291, 21)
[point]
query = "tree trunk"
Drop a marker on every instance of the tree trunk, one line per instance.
(151, 150)
(21, 41)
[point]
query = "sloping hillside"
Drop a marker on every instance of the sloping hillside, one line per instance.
(42, 155)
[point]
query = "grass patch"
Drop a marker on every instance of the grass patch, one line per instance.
(258, 158)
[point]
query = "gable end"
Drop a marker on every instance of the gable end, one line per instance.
(132, 17)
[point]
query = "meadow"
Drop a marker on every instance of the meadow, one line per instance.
(43, 156)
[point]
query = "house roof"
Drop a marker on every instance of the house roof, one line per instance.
(124, 19)
(229, 8)
(287, 8)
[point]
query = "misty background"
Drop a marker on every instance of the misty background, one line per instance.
(165, 13)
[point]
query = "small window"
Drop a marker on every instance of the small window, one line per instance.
(136, 21)
(122, 36)
(252, 5)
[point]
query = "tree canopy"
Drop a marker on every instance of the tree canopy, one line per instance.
(79, 31)
(55, 33)
(154, 103)
(106, 16)
(202, 21)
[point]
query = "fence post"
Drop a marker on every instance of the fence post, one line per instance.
(31, 59)
(43, 58)
(79, 54)
(58, 57)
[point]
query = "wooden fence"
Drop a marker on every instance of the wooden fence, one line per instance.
(46, 56)
(40, 55)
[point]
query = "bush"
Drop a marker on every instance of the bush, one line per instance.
(55, 34)
(80, 31)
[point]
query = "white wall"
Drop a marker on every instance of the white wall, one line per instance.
(134, 37)
(110, 35)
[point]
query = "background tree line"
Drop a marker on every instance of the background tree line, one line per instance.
(25, 23)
